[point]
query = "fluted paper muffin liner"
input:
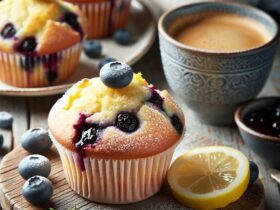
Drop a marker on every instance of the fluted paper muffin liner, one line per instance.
(115, 181)
(105, 16)
(36, 71)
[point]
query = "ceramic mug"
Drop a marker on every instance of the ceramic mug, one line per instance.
(213, 84)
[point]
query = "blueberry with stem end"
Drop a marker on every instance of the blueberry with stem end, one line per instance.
(33, 165)
(37, 190)
(36, 141)
(6, 120)
(93, 48)
(104, 61)
(116, 74)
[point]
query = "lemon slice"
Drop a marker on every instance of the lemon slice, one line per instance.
(209, 177)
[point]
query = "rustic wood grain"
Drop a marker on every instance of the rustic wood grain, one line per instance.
(65, 198)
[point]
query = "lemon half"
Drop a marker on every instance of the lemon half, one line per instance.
(208, 178)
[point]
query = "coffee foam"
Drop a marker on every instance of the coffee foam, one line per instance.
(221, 32)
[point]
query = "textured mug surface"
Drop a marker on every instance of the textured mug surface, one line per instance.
(213, 84)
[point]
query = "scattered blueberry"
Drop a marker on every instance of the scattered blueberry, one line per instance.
(28, 45)
(36, 141)
(8, 31)
(37, 190)
(123, 37)
(6, 120)
(89, 137)
(33, 165)
(177, 124)
(127, 122)
(116, 74)
(1, 140)
(254, 172)
(93, 48)
(104, 61)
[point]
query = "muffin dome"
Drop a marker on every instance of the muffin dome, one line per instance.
(39, 26)
(133, 122)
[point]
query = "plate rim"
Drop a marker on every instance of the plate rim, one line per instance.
(59, 89)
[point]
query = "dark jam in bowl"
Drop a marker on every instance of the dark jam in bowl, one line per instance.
(265, 120)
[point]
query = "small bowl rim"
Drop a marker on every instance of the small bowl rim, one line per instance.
(241, 125)
(164, 33)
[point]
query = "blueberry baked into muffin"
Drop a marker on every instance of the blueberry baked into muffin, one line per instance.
(40, 41)
(104, 16)
(116, 135)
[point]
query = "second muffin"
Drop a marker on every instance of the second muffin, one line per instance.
(40, 41)
(116, 144)
(104, 16)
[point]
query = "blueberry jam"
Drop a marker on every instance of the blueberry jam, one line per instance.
(265, 120)
(155, 98)
(8, 31)
(127, 122)
(72, 20)
(51, 64)
(26, 46)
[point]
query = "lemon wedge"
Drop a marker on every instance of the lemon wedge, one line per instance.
(209, 178)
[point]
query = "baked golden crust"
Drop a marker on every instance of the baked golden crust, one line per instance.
(41, 19)
(155, 134)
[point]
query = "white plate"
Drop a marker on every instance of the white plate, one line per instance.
(143, 26)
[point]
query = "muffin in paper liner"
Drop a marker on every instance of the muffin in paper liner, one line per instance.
(115, 181)
(104, 16)
(36, 71)
(116, 144)
(40, 41)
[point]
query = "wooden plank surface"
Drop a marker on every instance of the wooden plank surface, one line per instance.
(64, 198)
(32, 112)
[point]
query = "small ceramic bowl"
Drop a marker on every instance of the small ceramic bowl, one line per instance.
(213, 84)
(267, 147)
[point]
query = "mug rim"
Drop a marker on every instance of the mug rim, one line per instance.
(169, 38)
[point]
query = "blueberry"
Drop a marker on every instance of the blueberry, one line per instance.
(36, 141)
(72, 20)
(89, 137)
(1, 140)
(123, 37)
(93, 48)
(33, 165)
(8, 31)
(156, 99)
(28, 45)
(37, 190)
(177, 124)
(127, 122)
(254, 172)
(104, 61)
(116, 74)
(6, 120)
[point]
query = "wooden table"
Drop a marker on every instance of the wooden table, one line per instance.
(33, 112)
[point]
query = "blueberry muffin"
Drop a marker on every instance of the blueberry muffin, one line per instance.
(116, 135)
(104, 16)
(40, 41)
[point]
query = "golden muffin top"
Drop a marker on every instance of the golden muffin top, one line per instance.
(39, 26)
(130, 122)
